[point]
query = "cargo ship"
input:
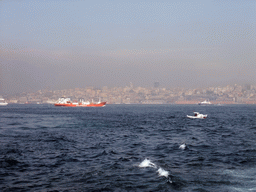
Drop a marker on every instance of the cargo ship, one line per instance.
(66, 102)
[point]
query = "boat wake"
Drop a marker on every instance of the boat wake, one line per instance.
(161, 172)
(147, 163)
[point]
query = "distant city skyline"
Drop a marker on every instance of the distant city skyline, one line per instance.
(229, 94)
(68, 44)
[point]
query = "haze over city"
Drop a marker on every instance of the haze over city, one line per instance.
(68, 44)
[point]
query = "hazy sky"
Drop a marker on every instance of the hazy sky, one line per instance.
(73, 43)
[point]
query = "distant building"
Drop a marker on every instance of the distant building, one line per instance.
(22, 100)
(156, 84)
(131, 85)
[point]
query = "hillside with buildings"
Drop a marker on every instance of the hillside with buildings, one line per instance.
(230, 94)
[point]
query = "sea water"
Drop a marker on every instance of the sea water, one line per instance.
(127, 148)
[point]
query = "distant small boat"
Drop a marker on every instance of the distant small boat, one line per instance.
(3, 102)
(205, 103)
(197, 116)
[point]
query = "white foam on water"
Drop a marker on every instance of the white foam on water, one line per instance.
(162, 172)
(242, 189)
(183, 146)
(147, 163)
(245, 177)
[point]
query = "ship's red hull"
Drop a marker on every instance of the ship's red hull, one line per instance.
(101, 104)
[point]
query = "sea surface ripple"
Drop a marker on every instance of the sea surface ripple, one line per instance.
(127, 148)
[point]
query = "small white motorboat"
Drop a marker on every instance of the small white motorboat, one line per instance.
(3, 102)
(197, 116)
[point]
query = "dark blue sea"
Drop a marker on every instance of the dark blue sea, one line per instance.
(127, 148)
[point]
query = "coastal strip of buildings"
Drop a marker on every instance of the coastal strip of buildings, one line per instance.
(230, 94)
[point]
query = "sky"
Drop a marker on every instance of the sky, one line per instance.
(63, 44)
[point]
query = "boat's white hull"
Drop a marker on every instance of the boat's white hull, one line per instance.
(3, 104)
(197, 117)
